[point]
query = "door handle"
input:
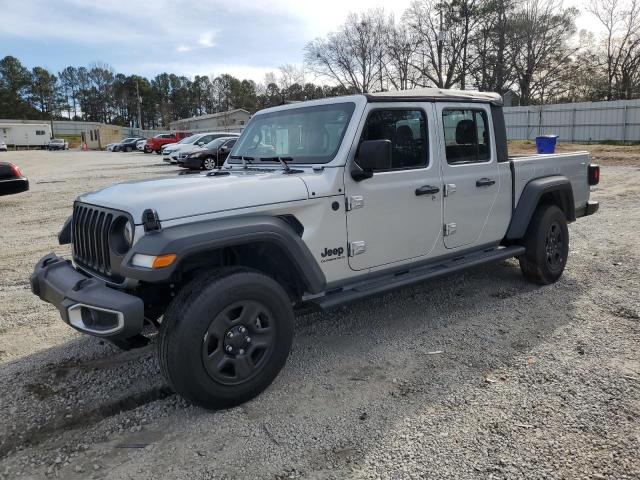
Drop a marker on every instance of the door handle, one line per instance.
(427, 190)
(485, 182)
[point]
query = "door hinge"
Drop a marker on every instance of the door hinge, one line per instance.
(355, 201)
(449, 189)
(356, 248)
(449, 229)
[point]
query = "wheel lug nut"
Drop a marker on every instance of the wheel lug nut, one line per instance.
(242, 329)
(247, 339)
(230, 334)
(229, 349)
(241, 351)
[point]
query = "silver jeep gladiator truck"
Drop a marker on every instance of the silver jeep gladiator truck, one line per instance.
(318, 204)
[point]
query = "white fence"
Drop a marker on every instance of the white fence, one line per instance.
(576, 122)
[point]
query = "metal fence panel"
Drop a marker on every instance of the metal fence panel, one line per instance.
(576, 122)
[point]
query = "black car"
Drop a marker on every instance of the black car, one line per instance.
(11, 180)
(212, 155)
(127, 145)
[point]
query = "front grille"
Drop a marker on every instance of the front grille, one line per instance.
(90, 230)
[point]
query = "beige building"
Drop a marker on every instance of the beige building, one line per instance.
(99, 136)
(229, 121)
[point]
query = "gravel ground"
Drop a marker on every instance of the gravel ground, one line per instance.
(479, 375)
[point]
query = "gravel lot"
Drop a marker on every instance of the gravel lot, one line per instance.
(479, 375)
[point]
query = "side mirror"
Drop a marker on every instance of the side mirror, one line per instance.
(224, 149)
(372, 155)
(199, 144)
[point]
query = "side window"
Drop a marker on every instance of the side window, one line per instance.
(230, 143)
(407, 131)
(466, 136)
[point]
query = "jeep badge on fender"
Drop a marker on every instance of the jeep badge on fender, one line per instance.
(332, 251)
(233, 256)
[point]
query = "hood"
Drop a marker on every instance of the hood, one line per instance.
(188, 195)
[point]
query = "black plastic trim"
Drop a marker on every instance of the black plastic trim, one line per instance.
(530, 198)
(589, 209)
(500, 133)
(64, 236)
(55, 281)
(192, 238)
(410, 275)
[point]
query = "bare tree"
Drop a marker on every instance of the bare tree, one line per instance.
(621, 20)
(352, 56)
(401, 47)
(442, 29)
(491, 68)
(540, 36)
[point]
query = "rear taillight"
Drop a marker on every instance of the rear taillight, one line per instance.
(594, 174)
(15, 169)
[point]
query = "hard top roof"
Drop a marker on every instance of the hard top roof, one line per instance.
(434, 95)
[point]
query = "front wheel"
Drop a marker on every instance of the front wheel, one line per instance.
(209, 163)
(225, 337)
(547, 246)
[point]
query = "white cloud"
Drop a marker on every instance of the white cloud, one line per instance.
(206, 39)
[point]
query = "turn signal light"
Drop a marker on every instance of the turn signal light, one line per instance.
(594, 174)
(164, 260)
(152, 261)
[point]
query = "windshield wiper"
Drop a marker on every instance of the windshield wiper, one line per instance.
(283, 161)
(244, 160)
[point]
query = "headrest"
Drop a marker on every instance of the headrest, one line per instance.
(465, 133)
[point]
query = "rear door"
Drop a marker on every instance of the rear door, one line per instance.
(469, 171)
(396, 214)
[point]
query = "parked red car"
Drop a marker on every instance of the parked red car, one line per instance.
(156, 143)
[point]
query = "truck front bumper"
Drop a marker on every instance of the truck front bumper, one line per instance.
(86, 303)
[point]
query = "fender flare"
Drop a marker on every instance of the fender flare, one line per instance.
(557, 185)
(192, 238)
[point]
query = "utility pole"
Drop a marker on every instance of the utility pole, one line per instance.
(139, 102)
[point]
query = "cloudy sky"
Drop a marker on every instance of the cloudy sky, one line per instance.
(246, 38)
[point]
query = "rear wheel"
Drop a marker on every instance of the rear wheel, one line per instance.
(225, 337)
(547, 246)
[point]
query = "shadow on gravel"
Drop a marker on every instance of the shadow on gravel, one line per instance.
(48, 397)
(423, 342)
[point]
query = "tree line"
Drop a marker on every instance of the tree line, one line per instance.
(531, 47)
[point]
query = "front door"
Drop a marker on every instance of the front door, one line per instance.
(397, 213)
(469, 171)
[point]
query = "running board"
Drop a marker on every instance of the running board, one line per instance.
(408, 277)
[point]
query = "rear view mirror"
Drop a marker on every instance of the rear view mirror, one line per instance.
(372, 155)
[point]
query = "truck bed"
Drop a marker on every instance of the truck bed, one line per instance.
(572, 165)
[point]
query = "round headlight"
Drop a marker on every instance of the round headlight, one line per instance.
(128, 232)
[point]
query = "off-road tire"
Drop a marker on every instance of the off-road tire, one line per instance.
(185, 333)
(547, 246)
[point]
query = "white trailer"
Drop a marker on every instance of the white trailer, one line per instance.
(25, 134)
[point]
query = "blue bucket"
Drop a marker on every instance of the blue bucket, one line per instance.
(546, 143)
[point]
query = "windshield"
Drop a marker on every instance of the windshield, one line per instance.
(304, 135)
(191, 139)
(56, 140)
(213, 144)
